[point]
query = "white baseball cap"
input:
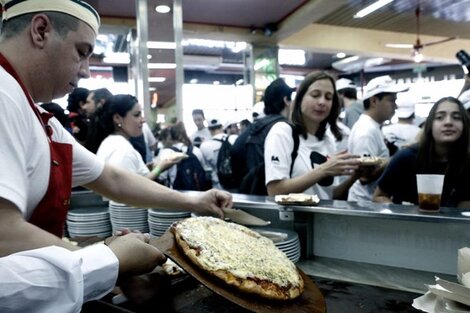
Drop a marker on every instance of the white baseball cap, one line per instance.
(465, 99)
(382, 84)
(344, 83)
(405, 107)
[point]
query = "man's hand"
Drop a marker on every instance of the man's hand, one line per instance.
(212, 202)
(135, 254)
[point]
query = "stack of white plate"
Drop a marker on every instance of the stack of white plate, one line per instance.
(286, 240)
(160, 220)
(86, 222)
(123, 216)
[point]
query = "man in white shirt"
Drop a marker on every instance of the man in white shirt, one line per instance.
(202, 133)
(366, 138)
(210, 149)
(45, 47)
(404, 132)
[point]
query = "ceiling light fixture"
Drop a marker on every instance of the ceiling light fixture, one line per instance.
(117, 58)
(157, 79)
(162, 9)
(372, 8)
(161, 45)
(417, 56)
(340, 55)
(193, 81)
(161, 66)
(291, 56)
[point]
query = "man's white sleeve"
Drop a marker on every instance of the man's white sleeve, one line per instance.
(54, 279)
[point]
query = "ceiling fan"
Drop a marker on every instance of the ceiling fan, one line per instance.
(418, 46)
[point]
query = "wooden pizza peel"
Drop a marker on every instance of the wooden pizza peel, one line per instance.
(311, 300)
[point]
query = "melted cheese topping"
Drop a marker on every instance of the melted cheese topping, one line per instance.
(238, 250)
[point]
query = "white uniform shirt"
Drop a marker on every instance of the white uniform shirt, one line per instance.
(278, 148)
(54, 279)
(25, 155)
(365, 138)
(401, 134)
(210, 151)
(118, 151)
(169, 175)
(204, 134)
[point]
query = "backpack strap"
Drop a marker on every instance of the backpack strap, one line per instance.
(295, 137)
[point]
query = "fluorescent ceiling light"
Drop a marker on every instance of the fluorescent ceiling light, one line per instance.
(340, 55)
(157, 79)
(161, 45)
(117, 58)
(235, 46)
(399, 45)
(291, 56)
(161, 66)
(371, 8)
(162, 9)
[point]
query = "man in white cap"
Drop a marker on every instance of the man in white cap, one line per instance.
(366, 138)
(45, 46)
(352, 108)
(210, 150)
(404, 132)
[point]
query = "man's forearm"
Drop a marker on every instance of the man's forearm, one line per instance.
(136, 190)
(16, 234)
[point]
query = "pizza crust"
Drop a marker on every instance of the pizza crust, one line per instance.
(250, 284)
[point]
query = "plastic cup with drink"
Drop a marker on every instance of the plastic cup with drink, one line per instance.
(429, 192)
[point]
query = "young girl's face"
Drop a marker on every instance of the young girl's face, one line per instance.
(447, 125)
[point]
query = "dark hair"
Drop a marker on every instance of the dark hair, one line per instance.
(331, 119)
(101, 94)
(459, 150)
(274, 96)
(75, 97)
(63, 23)
(178, 133)
(58, 112)
(350, 93)
(199, 112)
(102, 123)
(380, 96)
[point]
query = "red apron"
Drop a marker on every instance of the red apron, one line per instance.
(51, 212)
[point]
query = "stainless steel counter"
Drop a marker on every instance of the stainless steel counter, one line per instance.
(393, 236)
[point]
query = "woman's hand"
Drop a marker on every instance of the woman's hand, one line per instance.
(340, 164)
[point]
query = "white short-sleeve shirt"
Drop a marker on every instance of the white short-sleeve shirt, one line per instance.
(366, 138)
(25, 155)
(278, 148)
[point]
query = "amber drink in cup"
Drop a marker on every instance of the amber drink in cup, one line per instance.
(429, 192)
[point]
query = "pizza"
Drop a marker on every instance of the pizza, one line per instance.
(177, 156)
(238, 256)
(369, 161)
(297, 198)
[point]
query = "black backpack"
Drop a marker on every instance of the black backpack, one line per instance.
(190, 175)
(248, 149)
(224, 165)
(254, 182)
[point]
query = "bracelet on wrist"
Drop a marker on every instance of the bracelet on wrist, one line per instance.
(156, 170)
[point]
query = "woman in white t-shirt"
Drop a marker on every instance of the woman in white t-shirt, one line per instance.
(315, 110)
(119, 119)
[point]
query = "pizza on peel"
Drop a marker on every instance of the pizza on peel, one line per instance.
(238, 256)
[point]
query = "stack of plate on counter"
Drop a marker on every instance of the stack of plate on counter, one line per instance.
(160, 220)
(123, 216)
(86, 222)
(286, 240)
